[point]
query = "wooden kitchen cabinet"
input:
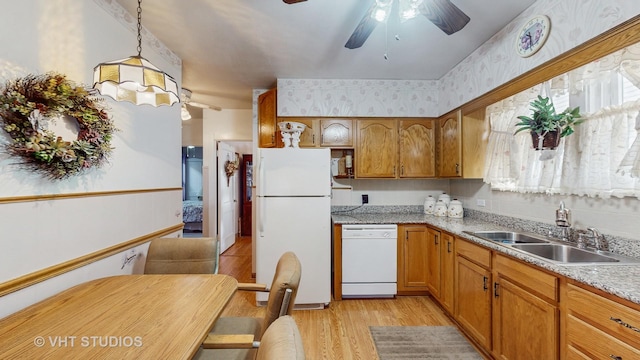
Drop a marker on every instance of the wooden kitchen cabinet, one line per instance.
(324, 132)
(474, 144)
(598, 327)
(267, 118)
(412, 259)
(377, 148)
(525, 311)
(447, 271)
(417, 141)
(473, 291)
(433, 262)
(309, 137)
(336, 133)
(449, 139)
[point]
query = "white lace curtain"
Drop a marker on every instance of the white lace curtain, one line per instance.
(602, 158)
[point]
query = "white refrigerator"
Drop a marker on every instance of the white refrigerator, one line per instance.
(293, 213)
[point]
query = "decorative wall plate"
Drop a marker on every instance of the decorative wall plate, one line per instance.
(532, 35)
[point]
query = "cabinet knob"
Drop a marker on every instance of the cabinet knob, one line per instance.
(495, 289)
(457, 169)
(484, 283)
(616, 357)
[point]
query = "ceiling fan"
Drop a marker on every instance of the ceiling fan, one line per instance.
(443, 13)
(185, 99)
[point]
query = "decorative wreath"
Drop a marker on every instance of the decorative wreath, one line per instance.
(28, 104)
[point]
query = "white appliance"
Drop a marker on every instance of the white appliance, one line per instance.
(293, 213)
(369, 260)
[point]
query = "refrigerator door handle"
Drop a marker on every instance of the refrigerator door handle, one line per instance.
(261, 176)
(261, 219)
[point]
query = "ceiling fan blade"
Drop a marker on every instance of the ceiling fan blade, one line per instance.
(293, 1)
(203, 106)
(445, 15)
(363, 30)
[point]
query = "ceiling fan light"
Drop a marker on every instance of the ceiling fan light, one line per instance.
(409, 9)
(184, 113)
(382, 11)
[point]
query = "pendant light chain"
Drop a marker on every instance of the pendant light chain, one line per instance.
(139, 27)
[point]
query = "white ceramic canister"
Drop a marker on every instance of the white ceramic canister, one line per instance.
(440, 209)
(445, 198)
(429, 204)
(455, 209)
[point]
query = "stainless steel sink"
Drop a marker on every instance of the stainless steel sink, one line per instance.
(508, 237)
(565, 253)
(553, 250)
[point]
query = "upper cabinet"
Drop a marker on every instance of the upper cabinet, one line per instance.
(450, 145)
(377, 148)
(323, 132)
(267, 119)
(417, 148)
(336, 132)
(474, 144)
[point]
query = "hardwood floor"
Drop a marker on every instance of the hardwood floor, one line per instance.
(342, 330)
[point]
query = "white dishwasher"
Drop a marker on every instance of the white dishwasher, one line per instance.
(369, 260)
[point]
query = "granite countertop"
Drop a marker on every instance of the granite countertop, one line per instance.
(619, 280)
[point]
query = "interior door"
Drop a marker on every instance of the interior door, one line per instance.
(227, 197)
(246, 197)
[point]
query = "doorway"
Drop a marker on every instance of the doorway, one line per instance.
(246, 181)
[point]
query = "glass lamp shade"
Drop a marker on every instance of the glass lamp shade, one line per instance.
(136, 80)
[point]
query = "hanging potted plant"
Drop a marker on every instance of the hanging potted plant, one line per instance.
(546, 126)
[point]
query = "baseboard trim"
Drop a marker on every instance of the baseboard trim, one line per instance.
(27, 280)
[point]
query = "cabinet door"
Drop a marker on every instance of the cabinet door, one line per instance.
(473, 300)
(309, 137)
(267, 119)
(447, 267)
(417, 148)
(336, 132)
(450, 145)
(433, 262)
(525, 326)
(412, 258)
(377, 148)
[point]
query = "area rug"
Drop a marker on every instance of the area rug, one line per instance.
(422, 342)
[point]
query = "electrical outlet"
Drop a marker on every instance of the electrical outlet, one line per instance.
(365, 199)
(481, 202)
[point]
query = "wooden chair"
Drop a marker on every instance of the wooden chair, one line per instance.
(182, 256)
(237, 337)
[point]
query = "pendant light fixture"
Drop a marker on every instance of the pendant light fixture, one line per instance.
(135, 79)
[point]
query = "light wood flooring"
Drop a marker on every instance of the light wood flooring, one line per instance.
(342, 330)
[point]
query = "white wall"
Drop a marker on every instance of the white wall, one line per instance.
(229, 125)
(71, 37)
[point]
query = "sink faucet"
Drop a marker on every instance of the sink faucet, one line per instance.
(563, 220)
(598, 239)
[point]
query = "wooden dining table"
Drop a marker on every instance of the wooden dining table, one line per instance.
(119, 317)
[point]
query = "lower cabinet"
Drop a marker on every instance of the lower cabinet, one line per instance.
(508, 307)
(472, 291)
(525, 313)
(599, 328)
(447, 271)
(412, 259)
(433, 262)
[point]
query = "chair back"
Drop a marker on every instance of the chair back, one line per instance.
(287, 276)
(281, 341)
(182, 256)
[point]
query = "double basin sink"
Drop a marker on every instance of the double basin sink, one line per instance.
(553, 250)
